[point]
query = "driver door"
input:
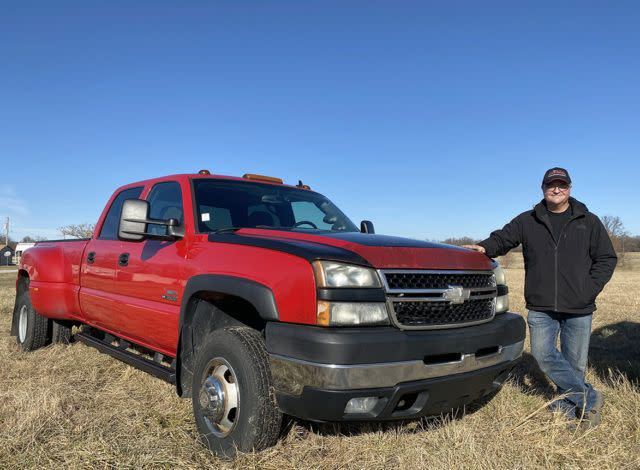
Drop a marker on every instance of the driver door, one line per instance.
(149, 273)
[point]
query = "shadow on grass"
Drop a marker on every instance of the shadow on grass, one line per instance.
(528, 376)
(613, 348)
(616, 348)
(406, 426)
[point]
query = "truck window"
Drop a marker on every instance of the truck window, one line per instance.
(223, 204)
(262, 215)
(165, 201)
(212, 218)
(306, 211)
(109, 230)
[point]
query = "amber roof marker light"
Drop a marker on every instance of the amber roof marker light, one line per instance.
(302, 185)
(204, 172)
(270, 179)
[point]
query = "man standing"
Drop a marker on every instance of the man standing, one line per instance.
(568, 259)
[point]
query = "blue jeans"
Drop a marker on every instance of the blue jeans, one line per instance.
(566, 367)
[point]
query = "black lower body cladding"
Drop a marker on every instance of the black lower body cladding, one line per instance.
(408, 374)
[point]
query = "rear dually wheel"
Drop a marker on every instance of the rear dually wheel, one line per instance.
(32, 327)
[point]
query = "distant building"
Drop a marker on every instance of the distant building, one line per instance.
(20, 248)
(6, 255)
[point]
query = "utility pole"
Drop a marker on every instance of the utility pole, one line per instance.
(6, 232)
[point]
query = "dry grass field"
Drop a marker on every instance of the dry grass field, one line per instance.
(74, 407)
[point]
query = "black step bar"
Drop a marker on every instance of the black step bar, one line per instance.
(165, 373)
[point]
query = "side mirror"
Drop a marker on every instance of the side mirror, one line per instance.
(134, 219)
(133, 225)
(366, 226)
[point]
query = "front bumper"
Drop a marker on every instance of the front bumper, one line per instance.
(317, 371)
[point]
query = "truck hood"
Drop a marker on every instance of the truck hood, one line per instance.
(378, 251)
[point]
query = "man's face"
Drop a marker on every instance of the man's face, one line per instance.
(557, 192)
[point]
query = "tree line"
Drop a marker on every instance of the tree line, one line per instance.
(67, 231)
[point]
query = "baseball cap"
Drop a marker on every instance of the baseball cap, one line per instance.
(556, 173)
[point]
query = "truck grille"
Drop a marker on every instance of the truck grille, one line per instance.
(404, 280)
(426, 314)
(440, 299)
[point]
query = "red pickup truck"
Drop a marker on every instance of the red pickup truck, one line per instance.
(259, 299)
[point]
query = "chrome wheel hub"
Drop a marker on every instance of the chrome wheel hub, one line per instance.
(22, 324)
(220, 397)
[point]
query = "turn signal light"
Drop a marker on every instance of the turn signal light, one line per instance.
(270, 179)
(323, 317)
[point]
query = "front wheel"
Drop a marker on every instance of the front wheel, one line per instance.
(233, 397)
(32, 327)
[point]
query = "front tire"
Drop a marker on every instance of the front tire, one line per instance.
(233, 396)
(32, 331)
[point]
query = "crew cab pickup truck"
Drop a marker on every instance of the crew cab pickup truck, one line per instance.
(258, 299)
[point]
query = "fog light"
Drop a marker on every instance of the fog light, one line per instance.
(502, 303)
(361, 405)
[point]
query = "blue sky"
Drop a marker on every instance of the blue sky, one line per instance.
(433, 119)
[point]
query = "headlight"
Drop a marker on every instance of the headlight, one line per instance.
(351, 313)
(502, 300)
(501, 277)
(332, 274)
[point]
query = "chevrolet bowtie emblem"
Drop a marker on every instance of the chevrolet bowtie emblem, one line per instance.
(456, 294)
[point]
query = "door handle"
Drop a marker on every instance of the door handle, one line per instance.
(123, 259)
(91, 257)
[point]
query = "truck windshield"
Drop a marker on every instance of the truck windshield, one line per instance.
(234, 204)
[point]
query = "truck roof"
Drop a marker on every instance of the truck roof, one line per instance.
(247, 178)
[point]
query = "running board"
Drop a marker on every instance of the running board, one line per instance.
(160, 371)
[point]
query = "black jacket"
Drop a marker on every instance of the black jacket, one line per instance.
(563, 275)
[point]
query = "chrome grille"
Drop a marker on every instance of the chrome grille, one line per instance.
(439, 299)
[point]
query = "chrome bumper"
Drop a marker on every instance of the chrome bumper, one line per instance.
(292, 375)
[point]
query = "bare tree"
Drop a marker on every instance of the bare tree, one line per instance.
(618, 234)
(33, 239)
(3, 238)
(77, 230)
(632, 243)
(613, 225)
(459, 241)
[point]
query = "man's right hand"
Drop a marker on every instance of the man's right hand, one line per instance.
(475, 248)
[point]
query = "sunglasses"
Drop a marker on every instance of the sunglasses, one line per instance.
(560, 185)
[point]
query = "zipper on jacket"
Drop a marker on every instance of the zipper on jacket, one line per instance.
(556, 278)
(556, 243)
(555, 299)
